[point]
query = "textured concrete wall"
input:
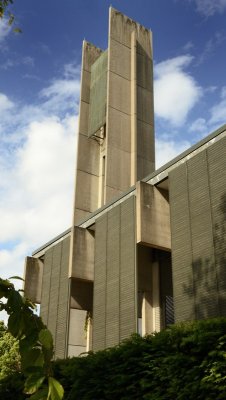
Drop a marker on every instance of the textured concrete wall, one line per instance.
(128, 149)
(166, 287)
(130, 143)
(198, 209)
(82, 256)
(33, 272)
(153, 216)
(77, 333)
(114, 308)
(88, 150)
(55, 294)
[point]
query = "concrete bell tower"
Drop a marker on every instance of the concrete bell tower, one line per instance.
(116, 122)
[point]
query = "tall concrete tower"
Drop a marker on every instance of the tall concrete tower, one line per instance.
(115, 150)
(116, 122)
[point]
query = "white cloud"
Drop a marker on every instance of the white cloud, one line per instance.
(12, 63)
(210, 47)
(5, 103)
(72, 70)
(166, 150)
(39, 186)
(216, 115)
(188, 46)
(37, 160)
(210, 7)
(198, 126)
(63, 92)
(176, 91)
(218, 111)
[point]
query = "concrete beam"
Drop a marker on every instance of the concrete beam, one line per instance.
(153, 217)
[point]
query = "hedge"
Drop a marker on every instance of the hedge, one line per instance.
(184, 362)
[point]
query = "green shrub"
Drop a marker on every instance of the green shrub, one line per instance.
(9, 353)
(184, 362)
(11, 387)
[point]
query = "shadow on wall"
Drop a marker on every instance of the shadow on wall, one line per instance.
(207, 285)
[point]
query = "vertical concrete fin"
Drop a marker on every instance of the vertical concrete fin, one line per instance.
(55, 294)
(153, 216)
(99, 295)
(128, 270)
(33, 279)
(88, 150)
(115, 280)
(197, 205)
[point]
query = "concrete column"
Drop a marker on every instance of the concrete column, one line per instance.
(156, 297)
(133, 109)
(147, 314)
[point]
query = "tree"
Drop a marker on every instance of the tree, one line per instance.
(35, 343)
(9, 353)
(5, 11)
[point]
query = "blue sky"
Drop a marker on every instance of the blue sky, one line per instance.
(39, 95)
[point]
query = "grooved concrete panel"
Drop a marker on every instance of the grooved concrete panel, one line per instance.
(204, 272)
(128, 290)
(33, 279)
(197, 201)
(181, 245)
(55, 294)
(115, 313)
(54, 289)
(63, 303)
(46, 281)
(216, 156)
(99, 295)
(113, 276)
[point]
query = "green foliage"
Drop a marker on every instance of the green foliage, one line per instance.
(11, 387)
(35, 343)
(5, 11)
(9, 353)
(4, 4)
(184, 362)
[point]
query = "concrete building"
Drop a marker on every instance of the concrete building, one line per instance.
(147, 247)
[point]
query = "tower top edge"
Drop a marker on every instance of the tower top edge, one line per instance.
(86, 43)
(113, 11)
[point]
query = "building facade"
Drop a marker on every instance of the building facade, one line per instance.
(147, 247)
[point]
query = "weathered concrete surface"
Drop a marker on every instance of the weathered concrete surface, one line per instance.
(153, 216)
(33, 279)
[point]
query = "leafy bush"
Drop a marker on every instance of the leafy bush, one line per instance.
(9, 353)
(185, 362)
(35, 343)
(11, 387)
